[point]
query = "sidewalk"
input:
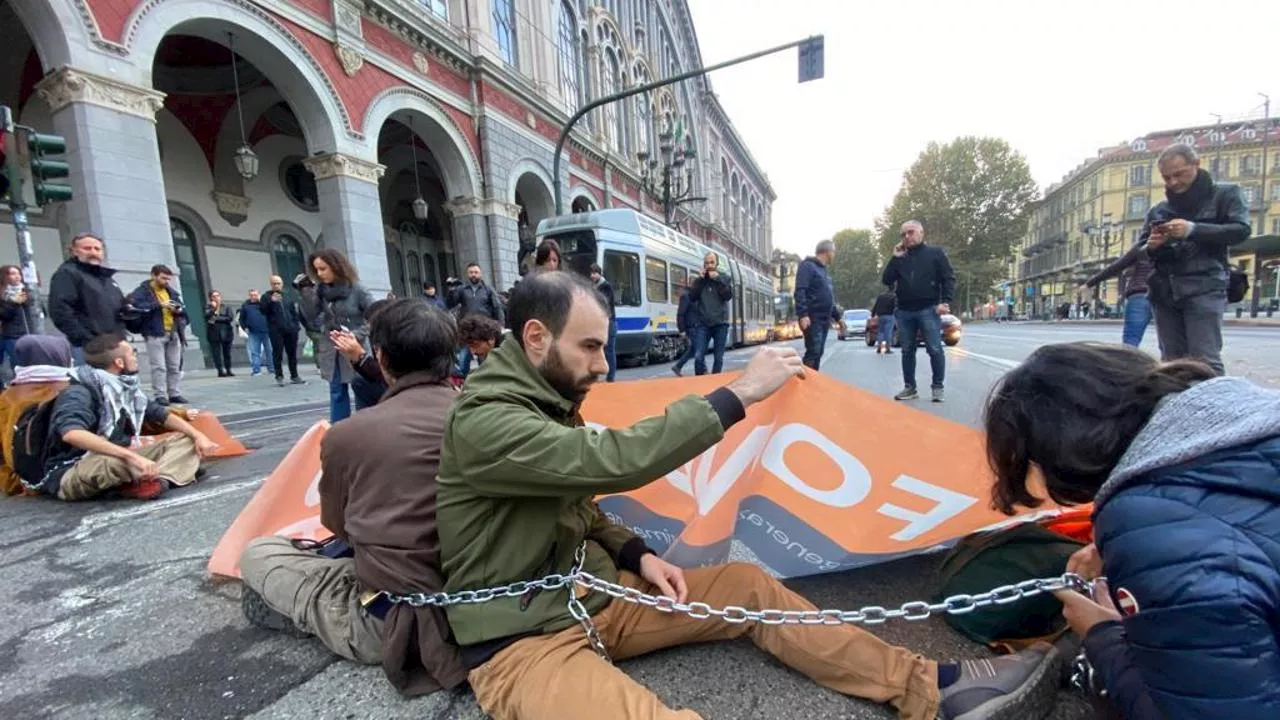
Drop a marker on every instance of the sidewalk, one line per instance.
(1229, 321)
(244, 393)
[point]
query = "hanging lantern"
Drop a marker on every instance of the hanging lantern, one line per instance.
(246, 162)
(420, 209)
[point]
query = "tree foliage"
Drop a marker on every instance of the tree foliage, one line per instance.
(856, 270)
(973, 196)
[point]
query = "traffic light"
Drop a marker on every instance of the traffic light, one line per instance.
(812, 59)
(46, 165)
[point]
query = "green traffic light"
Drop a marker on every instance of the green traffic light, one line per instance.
(43, 169)
(51, 193)
(47, 144)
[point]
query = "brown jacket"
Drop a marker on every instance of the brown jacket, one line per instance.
(13, 401)
(378, 492)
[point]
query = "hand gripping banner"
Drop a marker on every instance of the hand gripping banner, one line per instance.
(821, 477)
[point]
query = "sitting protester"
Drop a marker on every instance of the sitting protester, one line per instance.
(518, 478)
(42, 367)
(1183, 469)
(377, 493)
(95, 420)
(480, 334)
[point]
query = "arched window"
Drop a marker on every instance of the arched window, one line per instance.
(725, 212)
(190, 280)
(415, 274)
(430, 276)
(571, 78)
(395, 266)
(644, 112)
(504, 30)
(287, 256)
(610, 85)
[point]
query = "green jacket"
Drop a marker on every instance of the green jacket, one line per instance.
(518, 477)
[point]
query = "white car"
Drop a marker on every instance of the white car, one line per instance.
(853, 324)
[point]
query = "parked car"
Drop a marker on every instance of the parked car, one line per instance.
(853, 323)
(952, 329)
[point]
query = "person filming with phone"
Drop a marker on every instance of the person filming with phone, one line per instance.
(163, 323)
(924, 282)
(1187, 236)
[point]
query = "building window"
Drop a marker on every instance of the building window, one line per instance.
(611, 84)
(655, 280)
(299, 184)
(190, 282)
(287, 255)
(570, 58)
(439, 8)
(623, 271)
(1275, 191)
(1249, 165)
(1139, 176)
(1220, 168)
(1137, 206)
(395, 264)
(415, 274)
(1250, 193)
(504, 29)
(1275, 227)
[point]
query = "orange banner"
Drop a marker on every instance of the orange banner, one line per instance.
(207, 423)
(821, 477)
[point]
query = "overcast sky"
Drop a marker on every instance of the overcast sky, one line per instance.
(1057, 80)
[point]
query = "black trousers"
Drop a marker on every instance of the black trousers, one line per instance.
(222, 356)
(285, 343)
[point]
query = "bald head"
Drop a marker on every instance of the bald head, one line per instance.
(912, 233)
(277, 283)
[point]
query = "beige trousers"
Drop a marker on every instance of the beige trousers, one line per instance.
(94, 474)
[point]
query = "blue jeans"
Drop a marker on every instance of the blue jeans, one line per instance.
(339, 398)
(884, 330)
(690, 335)
(701, 336)
(815, 341)
(611, 350)
(464, 361)
(927, 323)
(6, 351)
(1137, 316)
(259, 347)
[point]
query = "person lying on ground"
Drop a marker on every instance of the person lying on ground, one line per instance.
(377, 493)
(1183, 470)
(517, 480)
(96, 419)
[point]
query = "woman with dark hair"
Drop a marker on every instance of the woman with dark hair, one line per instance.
(342, 305)
(547, 255)
(19, 312)
(220, 328)
(1183, 469)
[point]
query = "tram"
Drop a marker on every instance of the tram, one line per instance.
(648, 265)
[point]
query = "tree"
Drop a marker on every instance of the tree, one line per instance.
(855, 272)
(973, 196)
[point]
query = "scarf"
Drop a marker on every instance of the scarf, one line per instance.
(24, 374)
(1187, 204)
(118, 393)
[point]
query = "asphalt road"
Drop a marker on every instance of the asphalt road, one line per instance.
(108, 612)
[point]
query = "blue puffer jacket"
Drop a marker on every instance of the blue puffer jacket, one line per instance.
(1188, 527)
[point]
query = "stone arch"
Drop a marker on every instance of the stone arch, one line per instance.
(263, 41)
(60, 30)
(254, 103)
(528, 166)
(583, 193)
(459, 168)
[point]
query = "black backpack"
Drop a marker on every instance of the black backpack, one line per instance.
(1237, 284)
(31, 442)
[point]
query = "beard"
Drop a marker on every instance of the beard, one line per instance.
(572, 388)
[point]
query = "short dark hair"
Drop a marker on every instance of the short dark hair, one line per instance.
(87, 235)
(543, 252)
(595, 268)
(475, 328)
(160, 270)
(101, 350)
(412, 336)
(548, 297)
(473, 265)
(1071, 410)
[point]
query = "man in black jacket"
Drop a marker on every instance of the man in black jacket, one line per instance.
(883, 310)
(815, 301)
(283, 323)
(84, 300)
(713, 294)
(688, 317)
(1187, 236)
(925, 283)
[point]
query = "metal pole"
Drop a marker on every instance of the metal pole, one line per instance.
(564, 132)
(1262, 201)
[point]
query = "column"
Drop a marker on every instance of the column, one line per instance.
(116, 177)
(486, 232)
(351, 215)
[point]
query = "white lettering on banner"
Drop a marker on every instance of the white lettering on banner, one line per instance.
(950, 504)
(308, 527)
(855, 483)
(695, 479)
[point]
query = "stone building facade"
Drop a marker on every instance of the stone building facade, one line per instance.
(354, 111)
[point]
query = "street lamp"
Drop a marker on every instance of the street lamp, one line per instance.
(1100, 237)
(245, 160)
(664, 173)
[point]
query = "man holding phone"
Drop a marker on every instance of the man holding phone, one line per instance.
(924, 283)
(163, 323)
(712, 292)
(1187, 236)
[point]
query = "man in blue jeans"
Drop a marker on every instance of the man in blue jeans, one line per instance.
(254, 322)
(815, 301)
(924, 284)
(1134, 267)
(712, 292)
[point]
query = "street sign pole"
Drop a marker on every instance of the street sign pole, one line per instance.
(811, 68)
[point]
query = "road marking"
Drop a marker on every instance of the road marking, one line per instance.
(999, 362)
(92, 523)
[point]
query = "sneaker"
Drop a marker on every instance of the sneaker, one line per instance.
(939, 395)
(280, 381)
(1009, 687)
(162, 401)
(298, 381)
(677, 371)
(259, 613)
(907, 394)
(144, 489)
(177, 400)
(230, 374)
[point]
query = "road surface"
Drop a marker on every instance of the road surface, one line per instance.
(109, 613)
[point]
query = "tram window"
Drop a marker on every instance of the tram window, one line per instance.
(577, 250)
(655, 279)
(679, 281)
(623, 272)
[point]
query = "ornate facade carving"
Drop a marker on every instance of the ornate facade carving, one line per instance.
(488, 206)
(350, 58)
(347, 18)
(420, 62)
(338, 165)
(232, 207)
(69, 85)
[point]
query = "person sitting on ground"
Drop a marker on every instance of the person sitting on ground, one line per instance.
(1183, 470)
(377, 493)
(94, 422)
(480, 334)
(42, 367)
(518, 475)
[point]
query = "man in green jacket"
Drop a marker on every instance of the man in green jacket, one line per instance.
(517, 479)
